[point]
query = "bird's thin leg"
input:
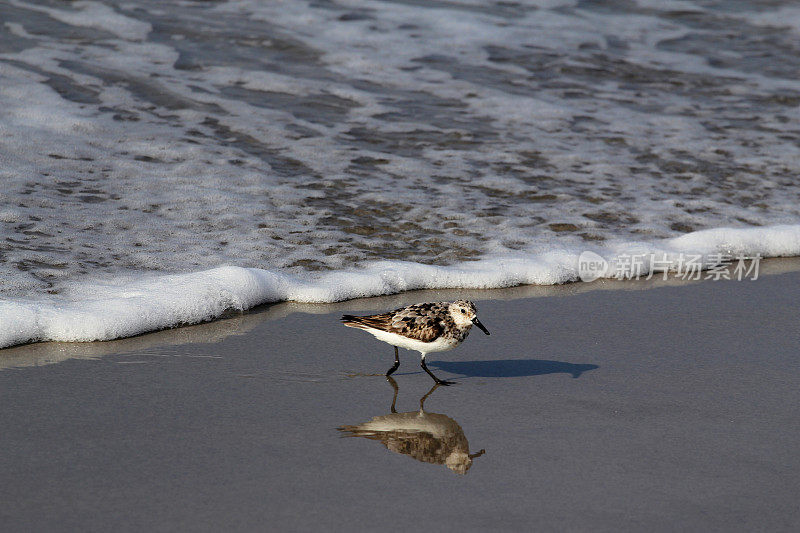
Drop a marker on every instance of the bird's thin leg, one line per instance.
(396, 363)
(422, 400)
(437, 380)
(393, 383)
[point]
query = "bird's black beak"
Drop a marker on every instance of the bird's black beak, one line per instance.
(478, 323)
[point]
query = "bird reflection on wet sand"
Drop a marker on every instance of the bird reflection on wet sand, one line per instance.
(427, 437)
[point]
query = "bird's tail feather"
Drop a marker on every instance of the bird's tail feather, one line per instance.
(352, 321)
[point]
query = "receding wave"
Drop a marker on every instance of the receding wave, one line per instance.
(130, 306)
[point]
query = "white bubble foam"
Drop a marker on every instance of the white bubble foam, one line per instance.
(94, 15)
(125, 307)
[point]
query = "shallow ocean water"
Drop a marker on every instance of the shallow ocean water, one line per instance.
(310, 139)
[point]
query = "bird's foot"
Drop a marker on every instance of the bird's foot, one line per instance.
(444, 382)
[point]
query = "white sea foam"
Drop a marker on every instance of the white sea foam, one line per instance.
(279, 136)
(94, 15)
(126, 307)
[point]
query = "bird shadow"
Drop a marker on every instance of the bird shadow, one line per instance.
(511, 368)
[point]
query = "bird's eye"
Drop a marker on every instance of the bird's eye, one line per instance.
(463, 311)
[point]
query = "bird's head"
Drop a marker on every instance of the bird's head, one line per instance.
(465, 313)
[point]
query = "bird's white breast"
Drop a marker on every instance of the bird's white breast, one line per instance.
(440, 344)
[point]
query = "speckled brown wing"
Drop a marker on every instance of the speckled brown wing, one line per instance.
(422, 322)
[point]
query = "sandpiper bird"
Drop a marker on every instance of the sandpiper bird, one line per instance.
(425, 327)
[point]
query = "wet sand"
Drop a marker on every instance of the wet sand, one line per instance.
(640, 406)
